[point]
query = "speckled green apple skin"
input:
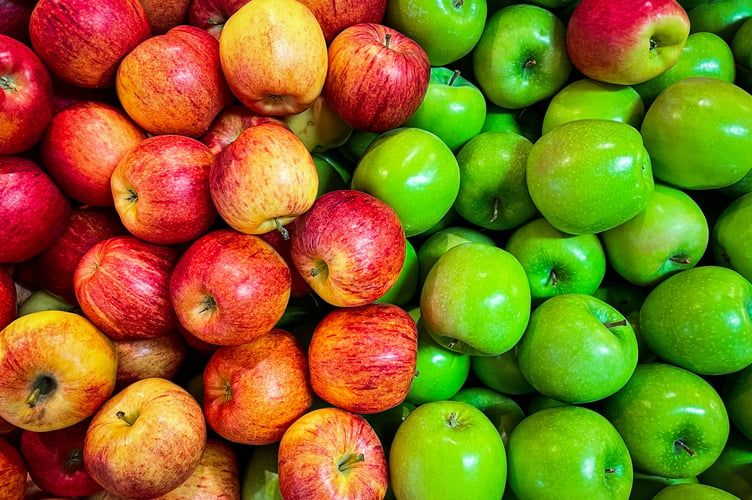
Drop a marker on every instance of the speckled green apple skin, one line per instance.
(693, 491)
(699, 319)
(731, 235)
(733, 469)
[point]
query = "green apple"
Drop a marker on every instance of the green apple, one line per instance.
(646, 486)
(333, 174)
(722, 17)
(493, 192)
(260, 480)
(627, 298)
(501, 373)
(353, 148)
(673, 421)
(414, 172)
(587, 98)
(739, 188)
(589, 175)
(731, 234)
(595, 339)
(476, 299)
(447, 449)
(404, 289)
(526, 121)
(737, 394)
(703, 54)
(521, 57)
(741, 47)
(453, 108)
(447, 30)
(669, 235)
(699, 319)
(568, 452)
(537, 402)
(44, 300)
(698, 132)
(502, 410)
(556, 262)
(733, 469)
(442, 240)
(693, 491)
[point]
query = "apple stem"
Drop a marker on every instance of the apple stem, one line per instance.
(387, 39)
(122, 416)
(282, 229)
(553, 278)
(681, 444)
(228, 392)
(610, 470)
(74, 461)
(42, 387)
(132, 196)
(679, 260)
(318, 270)
(653, 44)
(452, 343)
(207, 304)
(455, 75)
(6, 83)
(495, 213)
(611, 324)
(350, 460)
(529, 63)
(452, 420)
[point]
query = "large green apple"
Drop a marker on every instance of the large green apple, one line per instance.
(731, 235)
(493, 192)
(503, 411)
(589, 175)
(447, 449)
(476, 299)
(698, 132)
(733, 469)
(673, 421)
(521, 58)
(414, 172)
(741, 47)
(737, 394)
(700, 320)
(693, 491)
(501, 373)
(568, 452)
(722, 17)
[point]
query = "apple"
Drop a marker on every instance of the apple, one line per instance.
(377, 77)
(334, 170)
(728, 234)
(299, 287)
(15, 23)
(476, 299)
(722, 18)
(161, 356)
(699, 319)
(627, 41)
(146, 440)
(503, 411)
(318, 126)
(521, 57)
(43, 300)
(34, 213)
(447, 449)
(288, 73)
(229, 288)
(501, 373)
(163, 16)
(741, 48)
(672, 420)
(736, 392)
(83, 42)
(363, 359)
(697, 491)
(123, 286)
(56, 369)
(434, 246)
(413, 171)
(345, 461)
(27, 96)
(405, 288)
(732, 471)
(568, 451)
(599, 166)
(334, 16)
(648, 485)
(229, 123)
(263, 180)
(349, 246)
(260, 479)
(708, 150)
(13, 470)
(8, 298)
(211, 15)
(83, 144)
(526, 121)
(165, 171)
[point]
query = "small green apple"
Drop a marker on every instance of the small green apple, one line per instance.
(404, 289)
(502, 410)
(737, 394)
(501, 373)
(733, 469)
(260, 480)
(731, 234)
(693, 491)
(44, 300)
(526, 121)
(442, 240)
(722, 17)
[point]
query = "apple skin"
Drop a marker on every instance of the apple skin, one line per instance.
(299, 287)
(83, 42)
(8, 298)
(741, 47)
(229, 123)
(376, 78)
(434, 246)
(568, 451)
(15, 23)
(165, 171)
(698, 491)
(503, 411)
(211, 15)
(699, 319)
(729, 233)
(43, 388)
(607, 40)
(254, 391)
(161, 356)
(350, 247)
(736, 393)
(722, 18)
(163, 16)
(13, 470)
(229, 288)
(447, 449)
(404, 289)
(345, 461)
(501, 373)
(291, 68)
(672, 420)
(319, 127)
(149, 418)
(732, 471)
(123, 286)
(334, 16)
(363, 359)
(27, 96)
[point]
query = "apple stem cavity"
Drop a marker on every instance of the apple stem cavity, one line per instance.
(350, 460)
(653, 44)
(285, 233)
(495, 213)
(553, 278)
(74, 461)
(454, 77)
(529, 63)
(610, 470)
(207, 304)
(8, 84)
(318, 270)
(452, 343)
(611, 324)
(387, 40)
(228, 392)
(125, 418)
(679, 443)
(41, 388)
(132, 196)
(680, 260)
(452, 420)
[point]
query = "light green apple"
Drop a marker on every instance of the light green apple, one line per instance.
(674, 422)
(503, 411)
(731, 235)
(405, 288)
(587, 98)
(646, 486)
(501, 373)
(741, 47)
(693, 491)
(699, 319)
(669, 235)
(568, 452)
(493, 191)
(698, 132)
(737, 394)
(442, 240)
(556, 262)
(44, 300)
(722, 17)
(521, 57)
(589, 175)
(260, 480)
(476, 299)
(733, 469)
(414, 172)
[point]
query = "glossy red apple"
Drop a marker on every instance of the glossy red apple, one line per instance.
(229, 123)
(161, 356)
(15, 20)
(8, 298)
(336, 15)
(13, 471)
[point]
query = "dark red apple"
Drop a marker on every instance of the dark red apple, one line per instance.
(8, 298)
(15, 19)
(210, 15)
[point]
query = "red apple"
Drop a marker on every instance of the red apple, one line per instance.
(173, 83)
(146, 440)
(122, 285)
(229, 288)
(377, 77)
(299, 287)
(165, 15)
(336, 15)
(254, 391)
(211, 15)
(8, 298)
(12, 472)
(33, 212)
(263, 180)
(229, 123)
(345, 460)
(15, 20)
(25, 96)
(56, 369)
(55, 461)
(160, 356)
(161, 189)
(83, 41)
(82, 146)
(349, 247)
(202, 348)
